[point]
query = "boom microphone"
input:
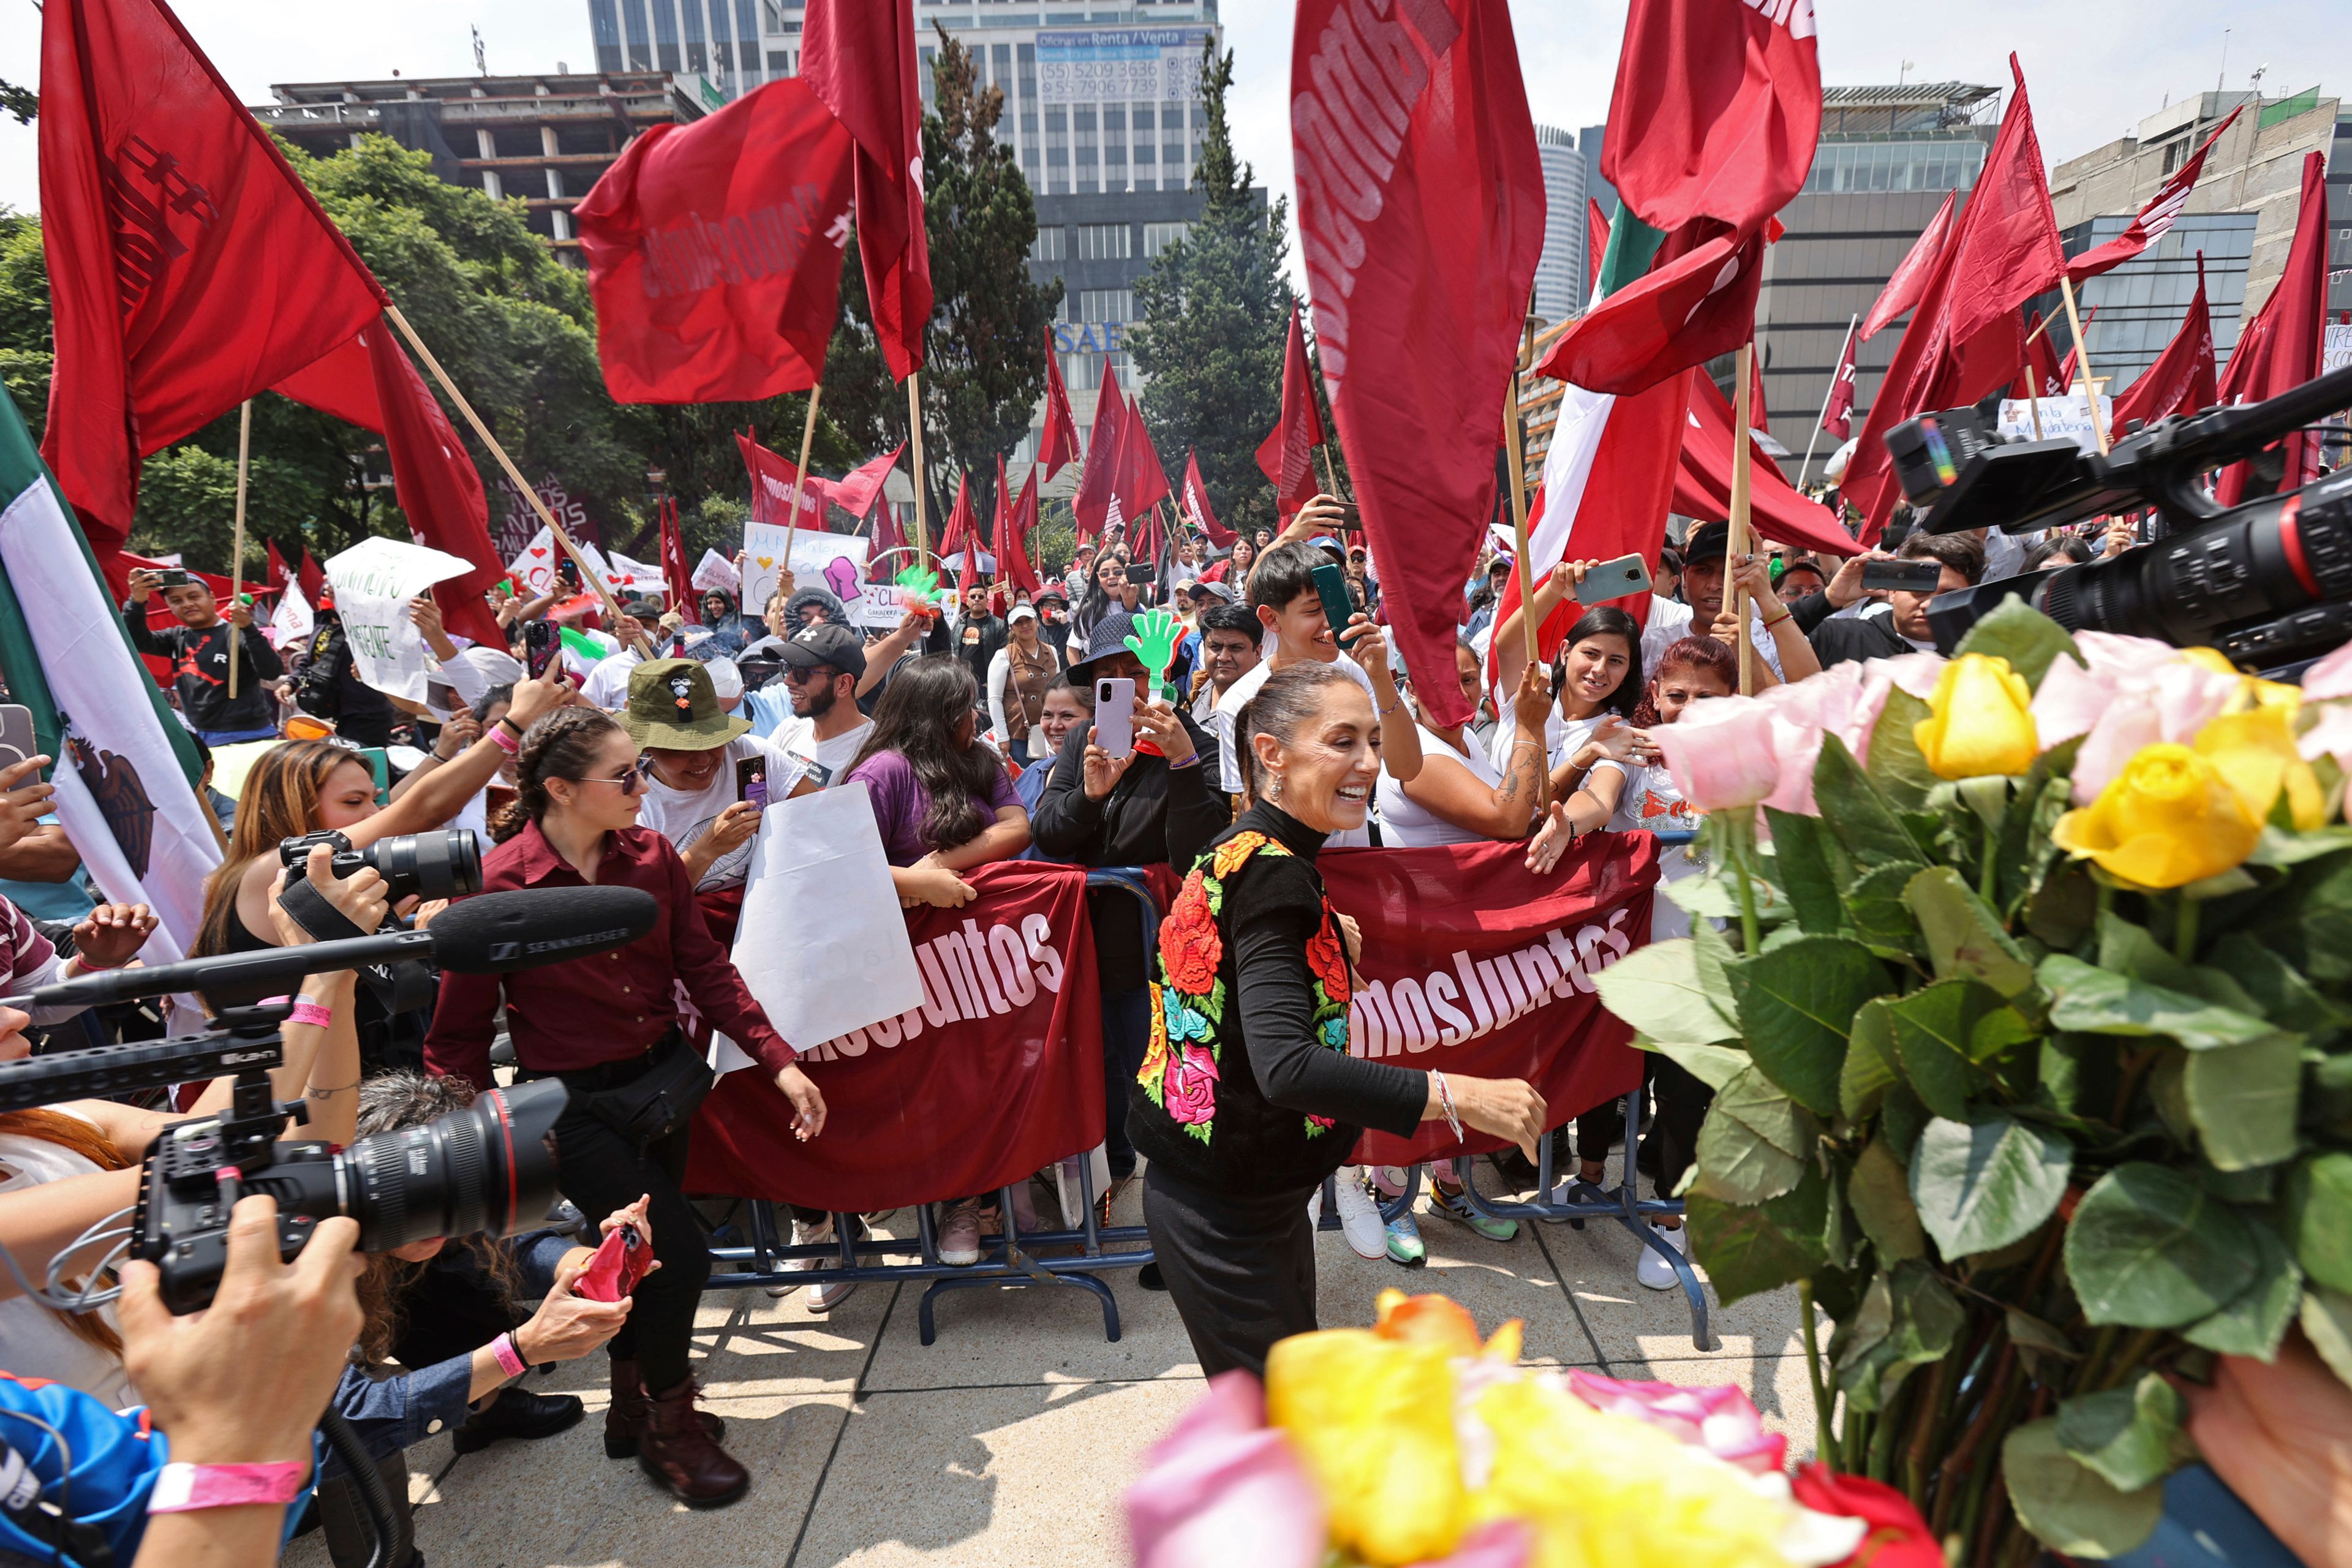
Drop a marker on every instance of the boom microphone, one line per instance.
(488, 934)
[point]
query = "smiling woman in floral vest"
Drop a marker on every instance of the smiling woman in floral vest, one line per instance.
(1248, 1097)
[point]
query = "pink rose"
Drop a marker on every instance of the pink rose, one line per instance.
(2331, 677)
(1192, 1086)
(2332, 736)
(1224, 1487)
(1722, 1420)
(1721, 752)
(2134, 693)
(1844, 701)
(1916, 673)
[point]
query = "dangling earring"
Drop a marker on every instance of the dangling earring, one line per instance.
(1274, 791)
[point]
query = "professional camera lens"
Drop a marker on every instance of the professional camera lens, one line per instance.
(489, 1167)
(444, 864)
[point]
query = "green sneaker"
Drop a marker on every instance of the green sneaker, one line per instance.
(1454, 1206)
(1404, 1242)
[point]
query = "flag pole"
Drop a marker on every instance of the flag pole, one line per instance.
(2025, 374)
(1814, 439)
(236, 549)
(1736, 545)
(2083, 362)
(1514, 455)
(915, 420)
(555, 530)
(1331, 480)
(800, 475)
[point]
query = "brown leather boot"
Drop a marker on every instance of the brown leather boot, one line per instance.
(677, 1451)
(625, 1417)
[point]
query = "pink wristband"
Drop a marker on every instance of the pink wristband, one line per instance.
(184, 1488)
(511, 1360)
(317, 1014)
(506, 740)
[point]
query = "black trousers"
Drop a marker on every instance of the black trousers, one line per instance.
(1669, 1128)
(1240, 1270)
(601, 1171)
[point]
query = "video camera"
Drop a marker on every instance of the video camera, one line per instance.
(2269, 582)
(444, 865)
(489, 1167)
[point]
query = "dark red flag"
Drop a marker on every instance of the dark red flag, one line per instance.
(2279, 348)
(1098, 482)
(677, 576)
(2152, 221)
(1058, 446)
(1716, 111)
(2068, 370)
(963, 528)
(1596, 246)
(1286, 456)
(278, 578)
(1703, 482)
(855, 491)
(887, 535)
(1422, 224)
(1697, 300)
(714, 251)
(1142, 482)
(771, 487)
(2181, 381)
(2040, 375)
(1196, 506)
(1837, 413)
(1015, 518)
(859, 59)
(1918, 265)
(313, 578)
(188, 267)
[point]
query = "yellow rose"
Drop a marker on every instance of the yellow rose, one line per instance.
(2256, 753)
(1373, 1418)
(1980, 721)
(2170, 817)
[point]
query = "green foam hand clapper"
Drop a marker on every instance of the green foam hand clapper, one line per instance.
(1154, 641)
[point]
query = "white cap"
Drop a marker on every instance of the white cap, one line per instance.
(726, 681)
(1021, 613)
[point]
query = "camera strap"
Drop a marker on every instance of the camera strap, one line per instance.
(396, 988)
(315, 913)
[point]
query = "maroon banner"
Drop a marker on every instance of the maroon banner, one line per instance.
(1473, 964)
(996, 1076)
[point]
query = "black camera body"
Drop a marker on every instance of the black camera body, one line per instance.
(444, 865)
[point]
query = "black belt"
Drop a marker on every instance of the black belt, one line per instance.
(613, 1074)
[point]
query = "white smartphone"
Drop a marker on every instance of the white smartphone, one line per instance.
(1114, 715)
(1614, 580)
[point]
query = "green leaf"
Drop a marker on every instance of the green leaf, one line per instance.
(2282, 995)
(2327, 1320)
(2131, 1437)
(1881, 920)
(2255, 1320)
(2319, 1218)
(2024, 852)
(2242, 1101)
(2150, 1248)
(2029, 639)
(1881, 1197)
(2308, 921)
(1713, 1066)
(1715, 959)
(1743, 1252)
(1908, 1318)
(1964, 938)
(2070, 1507)
(1657, 990)
(1980, 1186)
(1871, 1066)
(1796, 1004)
(1851, 806)
(1800, 849)
(1903, 1116)
(2101, 1002)
(2059, 1083)
(2130, 951)
(2282, 849)
(1754, 1143)
(2045, 1350)
(1932, 1027)
(1896, 766)
(2061, 908)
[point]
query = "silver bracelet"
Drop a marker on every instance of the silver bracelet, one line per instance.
(1445, 1103)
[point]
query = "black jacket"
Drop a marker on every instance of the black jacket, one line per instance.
(1154, 815)
(1840, 641)
(330, 688)
(200, 672)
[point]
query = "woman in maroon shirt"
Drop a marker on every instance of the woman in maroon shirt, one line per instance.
(599, 1024)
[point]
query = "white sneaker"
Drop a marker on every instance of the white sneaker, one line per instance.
(806, 1235)
(1359, 1217)
(1656, 1271)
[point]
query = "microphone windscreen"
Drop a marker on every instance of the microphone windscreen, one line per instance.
(491, 933)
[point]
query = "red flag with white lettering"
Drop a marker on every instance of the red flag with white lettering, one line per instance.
(714, 251)
(1287, 455)
(2153, 221)
(1058, 446)
(1196, 506)
(859, 59)
(1421, 217)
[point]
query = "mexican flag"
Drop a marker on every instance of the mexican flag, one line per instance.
(124, 791)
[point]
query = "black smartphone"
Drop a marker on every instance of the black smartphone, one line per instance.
(567, 571)
(751, 781)
(172, 577)
(1911, 576)
(542, 643)
(1338, 604)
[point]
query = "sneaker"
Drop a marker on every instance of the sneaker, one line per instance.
(806, 1235)
(959, 1236)
(1391, 1180)
(1360, 1217)
(1656, 1271)
(1451, 1203)
(1404, 1242)
(1573, 1190)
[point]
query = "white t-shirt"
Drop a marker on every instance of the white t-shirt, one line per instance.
(607, 686)
(34, 1340)
(1229, 708)
(1670, 622)
(1405, 824)
(1563, 738)
(1651, 803)
(823, 761)
(683, 819)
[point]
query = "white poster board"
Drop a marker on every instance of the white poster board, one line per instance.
(822, 944)
(877, 607)
(716, 571)
(2062, 418)
(533, 570)
(373, 580)
(813, 553)
(291, 623)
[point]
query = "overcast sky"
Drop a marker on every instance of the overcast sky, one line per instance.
(2094, 66)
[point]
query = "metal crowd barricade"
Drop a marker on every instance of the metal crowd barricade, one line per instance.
(1013, 1257)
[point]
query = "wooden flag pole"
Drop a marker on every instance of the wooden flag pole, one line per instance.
(555, 530)
(1736, 545)
(236, 548)
(2082, 363)
(800, 475)
(2033, 401)
(1331, 480)
(1515, 456)
(1812, 441)
(915, 420)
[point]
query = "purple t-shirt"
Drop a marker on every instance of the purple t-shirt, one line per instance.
(900, 802)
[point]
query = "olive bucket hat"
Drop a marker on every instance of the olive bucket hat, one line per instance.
(673, 707)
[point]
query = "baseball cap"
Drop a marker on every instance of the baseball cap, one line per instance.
(1021, 613)
(825, 643)
(1325, 542)
(1707, 542)
(642, 609)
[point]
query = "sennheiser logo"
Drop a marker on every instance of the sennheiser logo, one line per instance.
(613, 937)
(505, 951)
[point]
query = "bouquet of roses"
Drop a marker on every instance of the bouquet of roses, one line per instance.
(1413, 1442)
(2027, 1029)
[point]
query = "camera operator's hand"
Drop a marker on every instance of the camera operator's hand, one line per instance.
(24, 799)
(111, 934)
(808, 1104)
(1846, 586)
(360, 897)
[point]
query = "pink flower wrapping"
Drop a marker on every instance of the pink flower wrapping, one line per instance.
(1722, 1420)
(1224, 1487)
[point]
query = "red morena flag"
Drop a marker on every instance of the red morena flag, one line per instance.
(1015, 518)
(714, 251)
(2152, 221)
(1098, 481)
(1837, 413)
(1421, 215)
(1910, 280)
(677, 576)
(1286, 456)
(855, 491)
(2279, 348)
(189, 269)
(1697, 300)
(859, 57)
(278, 578)
(1703, 483)
(1058, 446)
(2040, 375)
(1716, 111)
(2181, 381)
(1196, 506)
(1596, 246)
